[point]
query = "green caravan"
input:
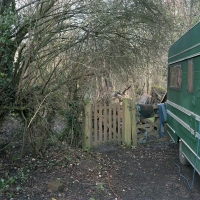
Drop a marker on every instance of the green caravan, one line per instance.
(183, 96)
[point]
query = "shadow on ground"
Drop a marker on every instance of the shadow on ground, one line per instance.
(108, 173)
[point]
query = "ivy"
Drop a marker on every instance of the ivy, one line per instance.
(7, 27)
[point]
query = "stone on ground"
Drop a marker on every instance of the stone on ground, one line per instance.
(55, 186)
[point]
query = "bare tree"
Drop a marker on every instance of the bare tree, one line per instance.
(58, 47)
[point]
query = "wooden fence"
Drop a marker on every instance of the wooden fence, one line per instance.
(115, 124)
(152, 127)
(109, 124)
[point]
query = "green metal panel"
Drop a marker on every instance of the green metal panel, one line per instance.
(183, 108)
(191, 156)
(186, 46)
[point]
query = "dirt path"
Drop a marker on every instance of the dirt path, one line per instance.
(111, 173)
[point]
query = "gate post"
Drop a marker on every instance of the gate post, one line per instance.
(126, 121)
(87, 125)
(133, 124)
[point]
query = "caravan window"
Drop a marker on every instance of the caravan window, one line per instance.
(190, 76)
(175, 76)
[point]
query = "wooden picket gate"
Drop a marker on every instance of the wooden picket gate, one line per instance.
(115, 124)
(112, 124)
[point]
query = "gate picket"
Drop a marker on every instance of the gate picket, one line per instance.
(110, 123)
(100, 124)
(95, 125)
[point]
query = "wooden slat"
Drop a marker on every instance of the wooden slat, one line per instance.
(110, 122)
(140, 125)
(122, 124)
(126, 121)
(92, 121)
(121, 121)
(133, 124)
(149, 129)
(98, 135)
(114, 124)
(95, 125)
(150, 122)
(118, 122)
(100, 124)
(105, 123)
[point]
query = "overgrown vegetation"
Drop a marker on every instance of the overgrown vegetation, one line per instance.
(56, 53)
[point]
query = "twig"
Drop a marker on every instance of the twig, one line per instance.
(37, 110)
(123, 93)
(110, 186)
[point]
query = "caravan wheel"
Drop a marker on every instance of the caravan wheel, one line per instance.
(182, 158)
